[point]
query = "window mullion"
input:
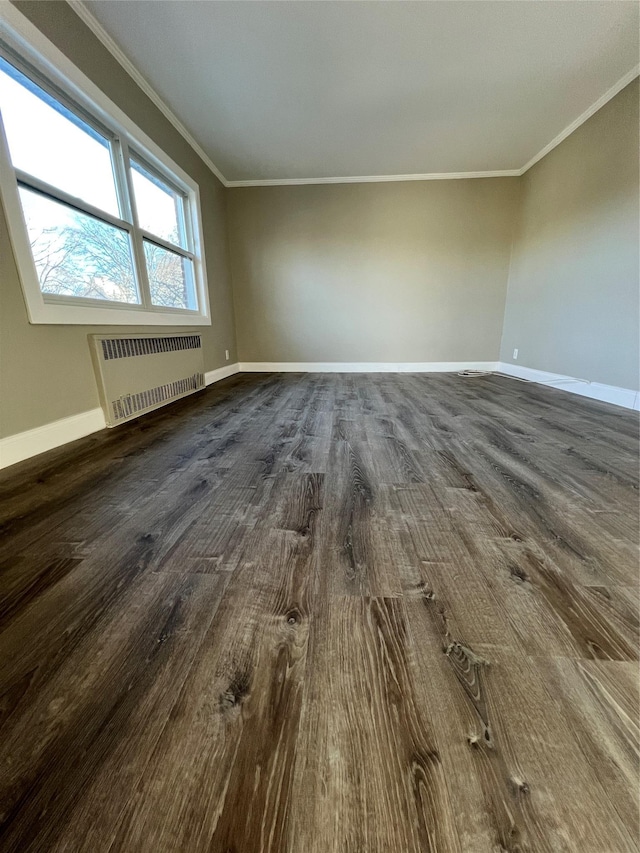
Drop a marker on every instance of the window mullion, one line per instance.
(120, 177)
(42, 187)
(187, 222)
(141, 268)
(128, 202)
(165, 244)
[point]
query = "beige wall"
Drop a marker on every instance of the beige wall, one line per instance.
(411, 272)
(379, 272)
(572, 304)
(45, 371)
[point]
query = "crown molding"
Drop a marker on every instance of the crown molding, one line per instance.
(99, 31)
(370, 179)
(575, 124)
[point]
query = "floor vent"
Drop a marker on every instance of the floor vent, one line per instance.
(139, 373)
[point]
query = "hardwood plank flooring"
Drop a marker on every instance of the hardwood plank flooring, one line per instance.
(326, 613)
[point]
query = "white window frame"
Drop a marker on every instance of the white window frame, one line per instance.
(27, 42)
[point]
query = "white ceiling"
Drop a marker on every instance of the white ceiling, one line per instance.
(306, 89)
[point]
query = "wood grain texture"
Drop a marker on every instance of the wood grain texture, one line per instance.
(326, 613)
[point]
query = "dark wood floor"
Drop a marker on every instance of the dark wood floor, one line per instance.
(326, 614)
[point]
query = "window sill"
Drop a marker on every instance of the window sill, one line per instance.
(56, 313)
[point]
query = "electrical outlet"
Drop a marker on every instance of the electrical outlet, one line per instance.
(226, 354)
(515, 355)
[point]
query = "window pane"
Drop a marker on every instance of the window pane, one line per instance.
(170, 278)
(159, 207)
(48, 141)
(76, 254)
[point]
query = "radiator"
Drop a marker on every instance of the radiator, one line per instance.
(138, 373)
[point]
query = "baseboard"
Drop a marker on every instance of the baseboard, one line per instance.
(16, 448)
(24, 445)
(219, 373)
(363, 366)
(624, 397)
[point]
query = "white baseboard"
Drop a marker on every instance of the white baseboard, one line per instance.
(363, 366)
(212, 376)
(625, 397)
(16, 448)
(22, 446)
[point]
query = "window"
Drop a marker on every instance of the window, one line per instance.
(105, 228)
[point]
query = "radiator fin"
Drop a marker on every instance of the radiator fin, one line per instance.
(130, 347)
(128, 406)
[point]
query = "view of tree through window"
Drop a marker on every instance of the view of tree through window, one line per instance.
(78, 214)
(76, 254)
(170, 277)
(160, 211)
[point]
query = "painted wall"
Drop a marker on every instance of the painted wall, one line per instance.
(573, 300)
(379, 272)
(46, 371)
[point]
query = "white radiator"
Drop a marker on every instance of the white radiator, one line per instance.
(138, 373)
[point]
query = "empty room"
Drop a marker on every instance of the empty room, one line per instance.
(319, 448)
